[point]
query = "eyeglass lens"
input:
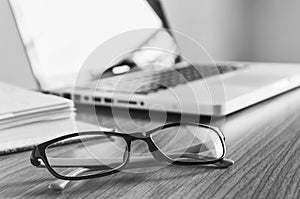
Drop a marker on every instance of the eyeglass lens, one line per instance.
(189, 143)
(98, 152)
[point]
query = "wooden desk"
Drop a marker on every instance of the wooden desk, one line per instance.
(263, 140)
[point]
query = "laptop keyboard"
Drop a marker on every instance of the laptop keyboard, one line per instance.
(152, 80)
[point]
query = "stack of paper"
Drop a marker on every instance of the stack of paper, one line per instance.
(19, 106)
(28, 118)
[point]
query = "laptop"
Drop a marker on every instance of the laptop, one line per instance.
(176, 75)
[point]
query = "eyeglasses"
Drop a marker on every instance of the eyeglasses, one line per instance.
(87, 155)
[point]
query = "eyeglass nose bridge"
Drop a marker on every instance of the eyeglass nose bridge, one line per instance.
(143, 137)
(157, 154)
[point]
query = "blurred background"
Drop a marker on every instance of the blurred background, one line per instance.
(243, 30)
(238, 30)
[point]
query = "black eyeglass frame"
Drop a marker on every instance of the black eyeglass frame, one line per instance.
(39, 151)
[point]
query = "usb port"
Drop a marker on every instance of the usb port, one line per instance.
(97, 99)
(108, 100)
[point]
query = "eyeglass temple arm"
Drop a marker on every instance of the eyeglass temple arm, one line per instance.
(134, 162)
(59, 185)
(92, 163)
(113, 163)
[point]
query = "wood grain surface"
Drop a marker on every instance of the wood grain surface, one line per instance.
(263, 140)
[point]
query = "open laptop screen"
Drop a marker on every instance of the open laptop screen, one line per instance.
(59, 35)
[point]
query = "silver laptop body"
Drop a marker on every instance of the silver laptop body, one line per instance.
(231, 87)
